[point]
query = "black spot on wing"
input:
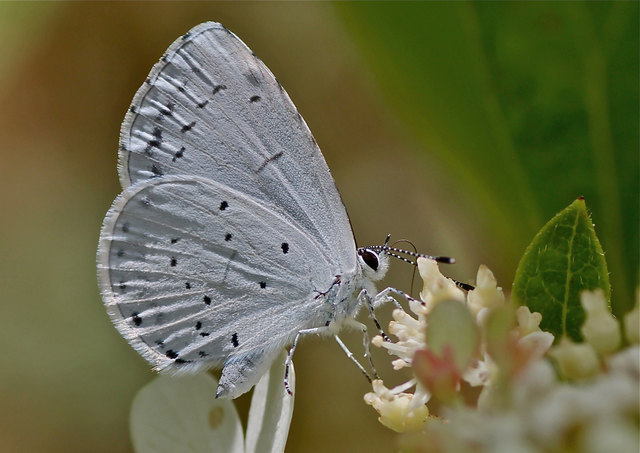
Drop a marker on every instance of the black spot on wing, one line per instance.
(156, 171)
(173, 262)
(207, 300)
(187, 285)
(179, 154)
(188, 127)
(263, 285)
(198, 325)
(224, 205)
(202, 104)
(218, 88)
(171, 354)
(285, 248)
(137, 320)
(155, 142)
(227, 237)
(254, 98)
(174, 240)
(234, 340)
(166, 110)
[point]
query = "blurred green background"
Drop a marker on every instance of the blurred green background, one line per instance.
(461, 126)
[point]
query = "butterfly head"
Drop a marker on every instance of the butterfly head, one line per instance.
(374, 259)
(374, 263)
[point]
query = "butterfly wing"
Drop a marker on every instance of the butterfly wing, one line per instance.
(211, 108)
(195, 274)
(229, 222)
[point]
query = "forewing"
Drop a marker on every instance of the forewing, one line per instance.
(211, 108)
(194, 273)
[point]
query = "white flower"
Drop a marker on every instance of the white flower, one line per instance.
(437, 288)
(575, 360)
(486, 295)
(173, 414)
(589, 409)
(523, 406)
(399, 411)
(532, 338)
(600, 328)
(410, 334)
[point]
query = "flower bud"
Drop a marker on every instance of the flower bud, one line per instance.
(600, 329)
(575, 360)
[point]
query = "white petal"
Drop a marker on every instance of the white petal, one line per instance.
(181, 414)
(271, 410)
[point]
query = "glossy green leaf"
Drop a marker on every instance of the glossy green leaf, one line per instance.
(564, 259)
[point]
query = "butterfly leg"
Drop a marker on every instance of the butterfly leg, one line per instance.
(371, 305)
(384, 296)
(292, 349)
(381, 298)
(366, 344)
(349, 354)
(353, 359)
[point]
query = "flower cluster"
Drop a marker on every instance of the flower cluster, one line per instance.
(534, 396)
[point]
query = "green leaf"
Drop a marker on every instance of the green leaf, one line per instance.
(564, 259)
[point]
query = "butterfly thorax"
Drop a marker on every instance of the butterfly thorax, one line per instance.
(341, 299)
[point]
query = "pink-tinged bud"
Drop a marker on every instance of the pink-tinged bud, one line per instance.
(439, 374)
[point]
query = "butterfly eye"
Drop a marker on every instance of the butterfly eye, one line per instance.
(370, 259)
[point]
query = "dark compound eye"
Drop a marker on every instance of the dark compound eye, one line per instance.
(370, 258)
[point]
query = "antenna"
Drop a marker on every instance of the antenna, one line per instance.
(397, 253)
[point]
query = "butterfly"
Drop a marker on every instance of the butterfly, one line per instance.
(229, 240)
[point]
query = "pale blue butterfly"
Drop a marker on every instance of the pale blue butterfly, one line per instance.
(229, 240)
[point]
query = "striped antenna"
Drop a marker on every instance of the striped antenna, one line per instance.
(389, 250)
(386, 248)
